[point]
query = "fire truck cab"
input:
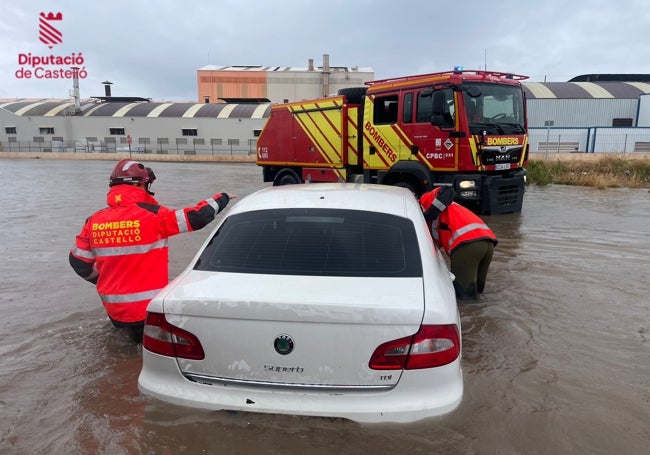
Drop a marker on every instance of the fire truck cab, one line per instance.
(467, 129)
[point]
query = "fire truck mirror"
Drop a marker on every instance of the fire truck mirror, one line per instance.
(437, 120)
(474, 92)
(439, 103)
(441, 115)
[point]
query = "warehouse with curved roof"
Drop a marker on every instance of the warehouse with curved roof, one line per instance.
(109, 108)
(103, 125)
(584, 104)
(590, 114)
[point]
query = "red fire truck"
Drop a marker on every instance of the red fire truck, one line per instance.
(463, 128)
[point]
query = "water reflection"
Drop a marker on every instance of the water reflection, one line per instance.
(556, 356)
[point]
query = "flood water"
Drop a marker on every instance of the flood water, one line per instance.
(556, 357)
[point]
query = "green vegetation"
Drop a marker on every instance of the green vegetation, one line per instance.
(601, 172)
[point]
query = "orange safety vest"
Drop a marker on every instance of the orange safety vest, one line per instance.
(127, 244)
(458, 225)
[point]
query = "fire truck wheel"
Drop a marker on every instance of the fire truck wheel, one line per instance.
(287, 177)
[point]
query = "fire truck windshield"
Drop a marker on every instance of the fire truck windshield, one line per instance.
(494, 108)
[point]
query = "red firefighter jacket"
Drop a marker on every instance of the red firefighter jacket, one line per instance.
(123, 248)
(458, 225)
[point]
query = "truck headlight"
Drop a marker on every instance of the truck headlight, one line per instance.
(465, 184)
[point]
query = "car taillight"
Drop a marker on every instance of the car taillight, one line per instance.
(432, 346)
(160, 337)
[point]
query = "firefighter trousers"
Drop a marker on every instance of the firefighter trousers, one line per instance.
(469, 264)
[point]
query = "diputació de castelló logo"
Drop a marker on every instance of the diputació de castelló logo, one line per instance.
(48, 34)
(31, 66)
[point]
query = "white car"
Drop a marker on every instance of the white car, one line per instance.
(316, 299)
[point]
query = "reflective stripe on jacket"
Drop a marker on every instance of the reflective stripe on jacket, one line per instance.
(458, 225)
(124, 247)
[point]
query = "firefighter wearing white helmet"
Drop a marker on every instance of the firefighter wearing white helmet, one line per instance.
(123, 248)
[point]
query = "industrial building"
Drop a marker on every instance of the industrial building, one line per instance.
(233, 104)
(592, 113)
(277, 84)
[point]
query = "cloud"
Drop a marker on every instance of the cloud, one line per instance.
(153, 49)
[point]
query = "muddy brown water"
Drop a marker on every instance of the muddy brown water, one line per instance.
(556, 357)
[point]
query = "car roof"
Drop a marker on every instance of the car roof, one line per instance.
(377, 198)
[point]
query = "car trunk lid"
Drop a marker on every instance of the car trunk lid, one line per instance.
(306, 332)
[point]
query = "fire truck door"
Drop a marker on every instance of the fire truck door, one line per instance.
(431, 127)
(381, 134)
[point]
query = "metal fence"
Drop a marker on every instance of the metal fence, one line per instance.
(545, 140)
(232, 148)
(589, 140)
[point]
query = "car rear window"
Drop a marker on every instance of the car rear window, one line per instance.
(314, 242)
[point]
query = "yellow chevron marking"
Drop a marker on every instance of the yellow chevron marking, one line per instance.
(321, 126)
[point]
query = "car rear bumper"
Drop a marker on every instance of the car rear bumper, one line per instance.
(418, 395)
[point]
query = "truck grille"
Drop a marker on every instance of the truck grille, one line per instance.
(503, 195)
(497, 155)
(507, 195)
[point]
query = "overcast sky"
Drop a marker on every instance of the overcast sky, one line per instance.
(153, 48)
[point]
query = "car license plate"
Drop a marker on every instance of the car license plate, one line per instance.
(501, 166)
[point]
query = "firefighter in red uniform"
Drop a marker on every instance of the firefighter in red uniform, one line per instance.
(123, 247)
(466, 239)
